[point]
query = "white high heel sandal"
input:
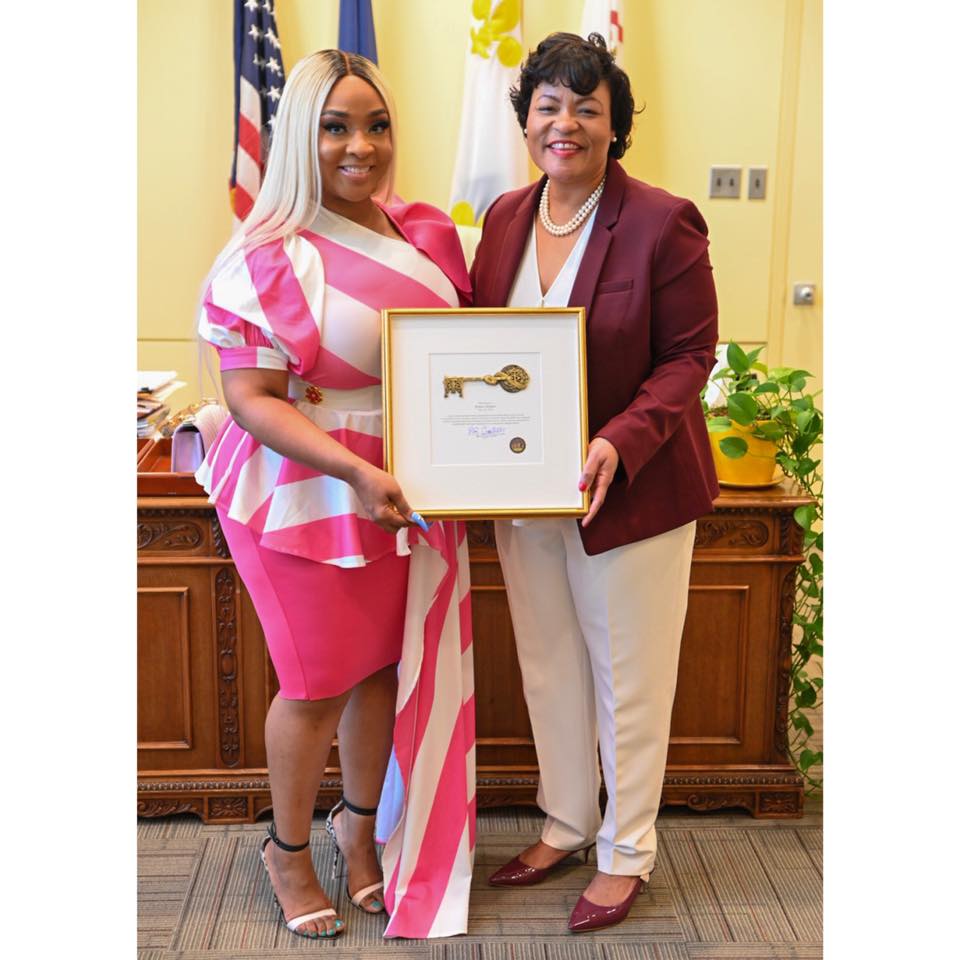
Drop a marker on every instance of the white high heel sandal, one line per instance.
(357, 898)
(295, 922)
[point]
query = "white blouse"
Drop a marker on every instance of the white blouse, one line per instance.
(526, 290)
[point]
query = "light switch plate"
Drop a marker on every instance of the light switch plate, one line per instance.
(757, 183)
(725, 182)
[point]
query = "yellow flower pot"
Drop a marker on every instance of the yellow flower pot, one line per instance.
(756, 467)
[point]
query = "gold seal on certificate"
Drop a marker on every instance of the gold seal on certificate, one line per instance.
(486, 410)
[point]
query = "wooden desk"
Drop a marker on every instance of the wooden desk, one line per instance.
(205, 681)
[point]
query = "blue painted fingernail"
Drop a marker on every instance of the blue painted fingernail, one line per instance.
(420, 522)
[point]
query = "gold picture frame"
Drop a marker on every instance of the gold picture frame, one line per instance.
(485, 410)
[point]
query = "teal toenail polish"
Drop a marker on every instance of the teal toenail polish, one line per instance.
(376, 904)
(339, 923)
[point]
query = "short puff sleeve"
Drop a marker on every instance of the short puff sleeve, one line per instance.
(234, 319)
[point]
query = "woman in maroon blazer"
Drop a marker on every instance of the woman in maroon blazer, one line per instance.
(598, 606)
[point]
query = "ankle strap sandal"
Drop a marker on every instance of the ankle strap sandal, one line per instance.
(294, 923)
(289, 847)
(356, 898)
(353, 808)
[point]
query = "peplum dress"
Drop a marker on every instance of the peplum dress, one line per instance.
(339, 598)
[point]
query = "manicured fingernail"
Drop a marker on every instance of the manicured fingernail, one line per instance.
(581, 486)
(420, 522)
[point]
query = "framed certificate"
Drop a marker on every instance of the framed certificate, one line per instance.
(485, 410)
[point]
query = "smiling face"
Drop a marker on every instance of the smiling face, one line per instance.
(569, 134)
(355, 146)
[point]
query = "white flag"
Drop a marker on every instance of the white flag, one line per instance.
(606, 18)
(491, 156)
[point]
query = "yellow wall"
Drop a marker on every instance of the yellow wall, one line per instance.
(797, 332)
(735, 84)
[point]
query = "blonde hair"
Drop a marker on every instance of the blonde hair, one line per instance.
(290, 195)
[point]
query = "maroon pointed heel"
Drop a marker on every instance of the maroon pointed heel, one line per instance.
(591, 916)
(516, 873)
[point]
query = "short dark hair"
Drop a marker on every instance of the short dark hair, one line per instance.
(580, 65)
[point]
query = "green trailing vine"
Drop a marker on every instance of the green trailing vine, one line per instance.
(775, 404)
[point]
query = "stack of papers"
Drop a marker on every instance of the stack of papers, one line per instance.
(150, 414)
(154, 387)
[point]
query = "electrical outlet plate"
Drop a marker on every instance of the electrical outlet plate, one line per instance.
(757, 183)
(725, 182)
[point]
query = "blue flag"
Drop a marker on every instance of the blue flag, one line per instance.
(356, 29)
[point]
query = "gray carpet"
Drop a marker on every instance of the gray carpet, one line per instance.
(726, 888)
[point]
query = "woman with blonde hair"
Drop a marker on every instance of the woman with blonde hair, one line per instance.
(320, 534)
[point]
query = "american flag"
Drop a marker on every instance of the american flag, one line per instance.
(258, 83)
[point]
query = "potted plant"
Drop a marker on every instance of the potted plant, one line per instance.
(768, 418)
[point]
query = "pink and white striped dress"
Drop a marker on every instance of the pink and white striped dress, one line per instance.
(310, 305)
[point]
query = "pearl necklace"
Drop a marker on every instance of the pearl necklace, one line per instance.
(561, 230)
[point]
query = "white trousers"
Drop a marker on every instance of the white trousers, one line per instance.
(598, 639)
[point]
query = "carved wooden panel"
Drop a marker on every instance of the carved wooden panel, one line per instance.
(481, 538)
(743, 533)
(220, 547)
(785, 605)
(791, 535)
(167, 806)
(780, 803)
(503, 726)
(176, 532)
(708, 708)
(176, 667)
(724, 700)
(228, 665)
(719, 801)
(164, 719)
(228, 809)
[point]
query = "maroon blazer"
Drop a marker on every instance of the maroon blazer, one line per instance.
(647, 285)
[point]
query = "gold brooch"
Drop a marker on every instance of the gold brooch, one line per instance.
(313, 394)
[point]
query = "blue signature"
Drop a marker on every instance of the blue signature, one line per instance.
(478, 431)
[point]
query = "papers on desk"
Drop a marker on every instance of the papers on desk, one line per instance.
(167, 389)
(150, 414)
(158, 384)
(154, 388)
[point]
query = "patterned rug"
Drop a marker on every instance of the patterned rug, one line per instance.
(727, 887)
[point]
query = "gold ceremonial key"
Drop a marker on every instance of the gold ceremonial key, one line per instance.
(512, 378)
